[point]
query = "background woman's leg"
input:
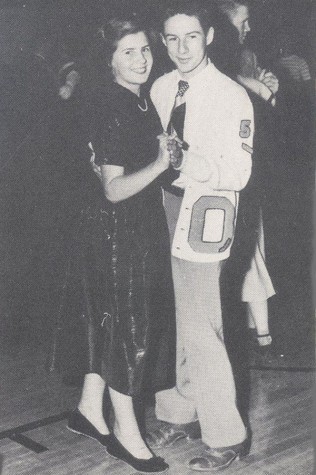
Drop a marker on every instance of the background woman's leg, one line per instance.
(258, 318)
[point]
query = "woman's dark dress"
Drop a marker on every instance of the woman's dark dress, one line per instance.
(117, 313)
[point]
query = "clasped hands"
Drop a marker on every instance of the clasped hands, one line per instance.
(171, 152)
(175, 146)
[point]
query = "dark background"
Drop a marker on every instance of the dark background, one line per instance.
(43, 168)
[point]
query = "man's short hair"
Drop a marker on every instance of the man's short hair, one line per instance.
(200, 9)
(227, 6)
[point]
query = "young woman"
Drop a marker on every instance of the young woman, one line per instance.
(120, 262)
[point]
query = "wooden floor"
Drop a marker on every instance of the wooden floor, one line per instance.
(280, 415)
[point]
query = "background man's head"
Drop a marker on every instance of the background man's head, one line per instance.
(238, 14)
(186, 29)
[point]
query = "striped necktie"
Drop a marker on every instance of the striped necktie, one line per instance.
(176, 123)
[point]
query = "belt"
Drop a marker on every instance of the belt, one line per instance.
(174, 190)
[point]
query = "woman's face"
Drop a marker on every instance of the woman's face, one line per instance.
(132, 61)
(240, 19)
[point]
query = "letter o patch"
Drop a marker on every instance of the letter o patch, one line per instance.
(212, 224)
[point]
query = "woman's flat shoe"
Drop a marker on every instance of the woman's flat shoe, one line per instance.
(153, 465)
(79, 424)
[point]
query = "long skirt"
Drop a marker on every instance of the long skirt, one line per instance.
(116, 312)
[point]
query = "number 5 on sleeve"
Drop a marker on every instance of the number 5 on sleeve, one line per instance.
(245, 130)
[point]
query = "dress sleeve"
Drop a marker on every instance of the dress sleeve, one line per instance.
(111, 144)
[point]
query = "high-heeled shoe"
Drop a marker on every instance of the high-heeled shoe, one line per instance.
(153, 465)
(79, 424)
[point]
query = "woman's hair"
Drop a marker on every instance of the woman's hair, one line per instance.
(99, 58)
(111, 32)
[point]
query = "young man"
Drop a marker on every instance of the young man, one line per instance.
(213, 116)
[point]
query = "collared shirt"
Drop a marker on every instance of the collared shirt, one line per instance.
(219, 130)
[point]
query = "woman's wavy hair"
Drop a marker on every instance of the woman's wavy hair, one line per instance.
(111, 32)
(107, 38)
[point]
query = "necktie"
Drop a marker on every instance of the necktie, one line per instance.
(176, 125)
(178, 112)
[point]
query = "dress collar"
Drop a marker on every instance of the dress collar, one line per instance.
(119, 97)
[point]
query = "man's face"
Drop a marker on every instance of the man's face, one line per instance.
(186, 43)
(240, 19)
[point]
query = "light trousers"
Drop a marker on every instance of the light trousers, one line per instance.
(205, 385)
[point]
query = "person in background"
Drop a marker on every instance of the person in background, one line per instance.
(290, 61)
(70, 78)
(118, 306)
(298, 95)
(241, 64)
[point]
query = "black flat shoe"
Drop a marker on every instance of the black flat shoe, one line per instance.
(153, 465)
(79, 424)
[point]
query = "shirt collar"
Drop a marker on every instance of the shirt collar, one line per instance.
(199, 78)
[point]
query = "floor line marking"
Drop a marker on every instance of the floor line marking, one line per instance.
(28, 443)
(6, 434)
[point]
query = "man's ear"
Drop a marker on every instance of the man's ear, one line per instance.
(163, 39)
(210, 36)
